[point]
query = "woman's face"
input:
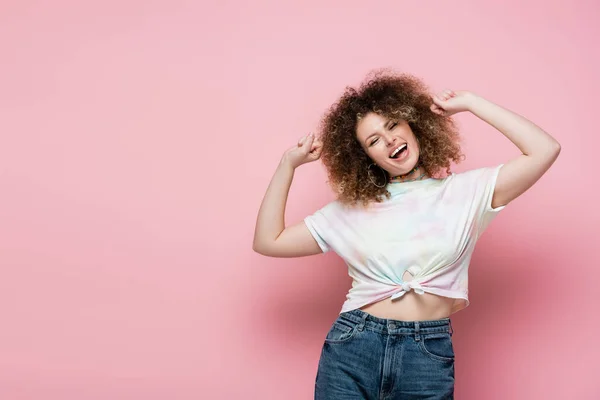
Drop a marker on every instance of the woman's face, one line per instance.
(381, 138)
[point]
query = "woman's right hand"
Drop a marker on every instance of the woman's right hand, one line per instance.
(307, 150)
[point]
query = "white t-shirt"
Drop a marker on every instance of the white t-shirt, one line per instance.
(428, 228)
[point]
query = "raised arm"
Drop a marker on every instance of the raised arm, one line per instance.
(539, 149)
(271, 237)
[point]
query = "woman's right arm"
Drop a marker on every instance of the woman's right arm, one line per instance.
(271, 237)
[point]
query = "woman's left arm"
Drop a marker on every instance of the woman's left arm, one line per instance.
(539, 149)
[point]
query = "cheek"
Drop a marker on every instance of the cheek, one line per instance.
(416, 145)
(379, 154)
(371, 151)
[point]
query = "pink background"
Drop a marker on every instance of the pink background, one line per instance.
(138, 138)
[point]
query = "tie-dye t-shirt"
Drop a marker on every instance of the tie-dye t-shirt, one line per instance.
(428, 228)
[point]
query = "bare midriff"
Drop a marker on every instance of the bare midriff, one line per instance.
(412, 306)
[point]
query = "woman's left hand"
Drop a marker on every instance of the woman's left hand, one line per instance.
(449, 102)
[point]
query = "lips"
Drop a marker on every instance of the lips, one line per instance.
(395, 150)
(403, 155)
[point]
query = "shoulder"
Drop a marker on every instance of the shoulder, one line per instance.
(474, 176)
(330, 208)
(336, 210)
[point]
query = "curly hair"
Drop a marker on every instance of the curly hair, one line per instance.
(395, 96)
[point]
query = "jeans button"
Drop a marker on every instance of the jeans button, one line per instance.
(391, 326)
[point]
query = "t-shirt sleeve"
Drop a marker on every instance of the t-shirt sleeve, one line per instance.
(320, 226)
(479, 185)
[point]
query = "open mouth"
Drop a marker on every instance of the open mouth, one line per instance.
(400, 152)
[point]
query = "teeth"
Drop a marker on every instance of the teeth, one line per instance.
(398, 149)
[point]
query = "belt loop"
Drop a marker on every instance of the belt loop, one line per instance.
(450, 329)
(417, 336)
(363, 321)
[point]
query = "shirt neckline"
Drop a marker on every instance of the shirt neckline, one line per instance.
(412, 183)
(405, 187)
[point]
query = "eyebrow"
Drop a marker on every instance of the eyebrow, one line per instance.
(386, 126)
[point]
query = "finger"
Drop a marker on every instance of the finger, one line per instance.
(436, 109)
(316, 153)
(437, 100)
(302, 140)
(308, 142)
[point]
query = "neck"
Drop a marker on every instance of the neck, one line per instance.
(414, 174)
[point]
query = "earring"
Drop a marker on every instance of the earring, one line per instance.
(370, 174)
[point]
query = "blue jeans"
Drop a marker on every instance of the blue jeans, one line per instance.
(366, 357)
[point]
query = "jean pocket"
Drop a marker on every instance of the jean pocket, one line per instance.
(341, 331)
(437, 346)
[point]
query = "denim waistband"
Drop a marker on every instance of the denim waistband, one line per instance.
(384, 325)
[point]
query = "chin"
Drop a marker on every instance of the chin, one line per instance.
(407, 167)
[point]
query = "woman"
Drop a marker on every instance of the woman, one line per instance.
(406, 232)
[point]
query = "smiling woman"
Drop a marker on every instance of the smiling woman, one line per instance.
(392, 146)
(388, 110)
(406, 235)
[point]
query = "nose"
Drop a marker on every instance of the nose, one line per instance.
(389, 139)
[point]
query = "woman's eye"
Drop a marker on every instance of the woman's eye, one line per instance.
(393, 125)
(374, 141)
